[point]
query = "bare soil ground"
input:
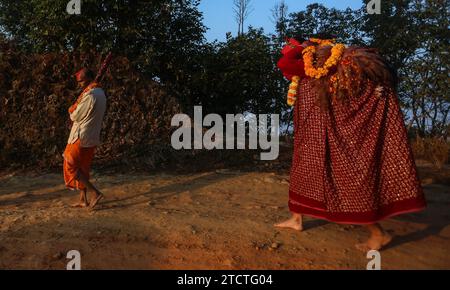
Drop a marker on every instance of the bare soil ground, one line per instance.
(213, 220)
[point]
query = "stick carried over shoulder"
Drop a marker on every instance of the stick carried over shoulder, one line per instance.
(103, 68)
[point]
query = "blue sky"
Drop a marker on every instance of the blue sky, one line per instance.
(219, 17)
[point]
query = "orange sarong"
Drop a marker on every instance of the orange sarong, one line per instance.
(77, 158)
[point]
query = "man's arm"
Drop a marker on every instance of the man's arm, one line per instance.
(83, 108)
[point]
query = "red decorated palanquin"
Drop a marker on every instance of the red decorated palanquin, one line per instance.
(352, 163)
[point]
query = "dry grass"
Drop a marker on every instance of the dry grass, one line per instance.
(435, 150)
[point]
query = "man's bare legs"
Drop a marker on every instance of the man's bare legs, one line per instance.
(82, 203)
(97, 194)
(295, 223)
(378, 239)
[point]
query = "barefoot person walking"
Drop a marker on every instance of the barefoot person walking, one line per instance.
(87, 116)
(352, 163)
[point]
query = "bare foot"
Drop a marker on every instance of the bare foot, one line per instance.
(80, 204)
(96, 199)
(292, 223)
(375, 242)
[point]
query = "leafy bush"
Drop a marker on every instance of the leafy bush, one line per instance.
(36, 91)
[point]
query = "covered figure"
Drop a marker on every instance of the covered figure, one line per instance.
(352, 163)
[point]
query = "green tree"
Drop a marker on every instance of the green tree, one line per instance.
(238, 75)
(394, 32)
(345, 25)
(424, 87)
(160, 36)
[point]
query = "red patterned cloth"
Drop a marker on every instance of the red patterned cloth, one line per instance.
(352, 163)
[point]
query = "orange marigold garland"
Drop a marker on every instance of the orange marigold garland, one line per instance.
(308, 58)
(292, 93)
(311, 71)
(323, 42)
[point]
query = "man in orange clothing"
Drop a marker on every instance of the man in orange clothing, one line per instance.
(87, 117)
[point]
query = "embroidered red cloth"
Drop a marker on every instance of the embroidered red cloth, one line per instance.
(352, 163)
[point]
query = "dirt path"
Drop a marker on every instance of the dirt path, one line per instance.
(215, 220)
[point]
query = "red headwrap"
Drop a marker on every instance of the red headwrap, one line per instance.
(81, 75)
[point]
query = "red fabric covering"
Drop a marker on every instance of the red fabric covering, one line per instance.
(352, 164)
(291, 63)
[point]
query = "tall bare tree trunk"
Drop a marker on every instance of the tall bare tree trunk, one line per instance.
(279, 18)
(242, 9)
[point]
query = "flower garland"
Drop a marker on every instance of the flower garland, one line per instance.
(323, 42)
(292, 93)
(308, 58)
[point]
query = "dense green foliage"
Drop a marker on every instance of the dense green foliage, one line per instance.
(164, 40)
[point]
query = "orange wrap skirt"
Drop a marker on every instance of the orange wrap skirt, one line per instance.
(77, 158)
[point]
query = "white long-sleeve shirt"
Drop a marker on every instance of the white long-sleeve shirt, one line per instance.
(87, 119)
